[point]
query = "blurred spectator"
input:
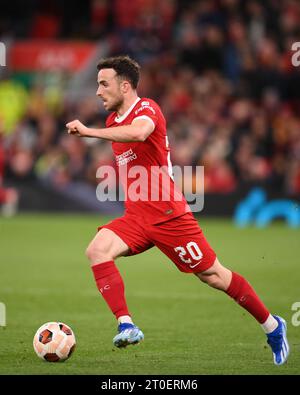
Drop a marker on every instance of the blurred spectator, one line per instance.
(9, 197)
(13, 102)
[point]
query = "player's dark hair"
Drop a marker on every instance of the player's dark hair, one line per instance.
(125, 67)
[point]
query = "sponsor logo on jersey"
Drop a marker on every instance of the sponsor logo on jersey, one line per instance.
(144, 107)
(126, 157)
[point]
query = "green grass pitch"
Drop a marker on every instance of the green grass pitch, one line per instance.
(189, 328)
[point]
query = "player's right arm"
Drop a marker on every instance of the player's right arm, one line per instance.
(139, 130)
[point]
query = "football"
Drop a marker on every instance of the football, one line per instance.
(54, 342)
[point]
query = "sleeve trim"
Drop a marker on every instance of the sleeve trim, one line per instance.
(147, 118)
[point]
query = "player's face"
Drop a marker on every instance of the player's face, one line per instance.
(109, 89)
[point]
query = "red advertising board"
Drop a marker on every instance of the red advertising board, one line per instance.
(43, 55)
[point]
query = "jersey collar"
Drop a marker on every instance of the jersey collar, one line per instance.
(124, 116)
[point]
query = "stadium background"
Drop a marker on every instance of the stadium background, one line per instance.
(221, 71)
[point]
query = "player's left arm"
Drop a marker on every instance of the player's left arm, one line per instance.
(139, 130)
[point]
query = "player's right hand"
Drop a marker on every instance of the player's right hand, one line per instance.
(77, 128)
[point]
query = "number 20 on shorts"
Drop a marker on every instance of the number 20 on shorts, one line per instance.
(193, 249)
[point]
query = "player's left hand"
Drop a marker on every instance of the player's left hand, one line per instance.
(77, 128)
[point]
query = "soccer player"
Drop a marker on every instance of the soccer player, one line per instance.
(137, 129)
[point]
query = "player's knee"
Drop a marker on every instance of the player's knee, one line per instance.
(216, 280)
(217, 276)
(213, 280)
(97, 253)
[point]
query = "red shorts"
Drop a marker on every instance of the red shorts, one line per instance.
(180, 238)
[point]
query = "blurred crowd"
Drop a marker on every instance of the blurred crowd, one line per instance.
(221, 71)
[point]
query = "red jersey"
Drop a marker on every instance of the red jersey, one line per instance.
(145, 168)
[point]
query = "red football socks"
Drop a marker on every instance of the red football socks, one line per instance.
(242, 292)
(111, 286)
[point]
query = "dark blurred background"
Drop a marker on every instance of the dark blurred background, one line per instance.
(221, 71)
